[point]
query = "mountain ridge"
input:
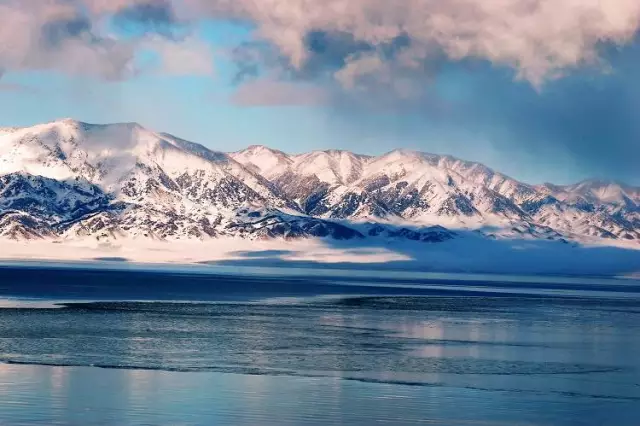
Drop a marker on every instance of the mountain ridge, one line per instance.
(156, 185)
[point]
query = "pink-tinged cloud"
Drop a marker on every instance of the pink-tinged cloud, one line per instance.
(268, 92)
(17, 88)
(73, 37)
(539, 39)
(189, 56)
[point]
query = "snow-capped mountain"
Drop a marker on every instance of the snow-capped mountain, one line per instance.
(68, 179)
(425, 189)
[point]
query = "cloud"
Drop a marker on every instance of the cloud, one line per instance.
(356, 42)
(579, 127)
(268, 92)
(77, 37)
(188, 56)
(572, 98)
(539, 39)
(54, 35)
(17, 88)
(151, 16)
(589, 121)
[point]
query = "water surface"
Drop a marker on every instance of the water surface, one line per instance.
(114, 347)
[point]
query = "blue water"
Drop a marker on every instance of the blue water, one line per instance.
(90, 346)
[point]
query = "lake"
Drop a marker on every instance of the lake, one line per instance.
(129, 345)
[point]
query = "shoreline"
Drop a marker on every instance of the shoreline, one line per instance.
(295, 269)
(463, 257)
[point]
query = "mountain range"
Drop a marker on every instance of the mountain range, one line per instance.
(68, 179)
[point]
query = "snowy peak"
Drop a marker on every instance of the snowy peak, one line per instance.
(265, 161)
(595, 191)
(67, 148)
(262, 150)
(333, 167)
(605, 191)
(8, 130)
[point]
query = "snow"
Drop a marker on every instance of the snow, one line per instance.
(468, 255)
(332, 167)
(594, 191)
(265, 161)
(170, 182)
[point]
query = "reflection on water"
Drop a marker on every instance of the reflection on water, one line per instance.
(98, 396)
(403, 360)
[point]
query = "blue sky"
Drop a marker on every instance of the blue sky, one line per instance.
(563, 128)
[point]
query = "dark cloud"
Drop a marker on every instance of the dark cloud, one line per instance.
(251, 59)
(583, 125)
(329, 51)
(55, 32)
(590, 119)
(581, 121)
(154, 16)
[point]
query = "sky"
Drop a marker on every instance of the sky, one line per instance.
(542, 90)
